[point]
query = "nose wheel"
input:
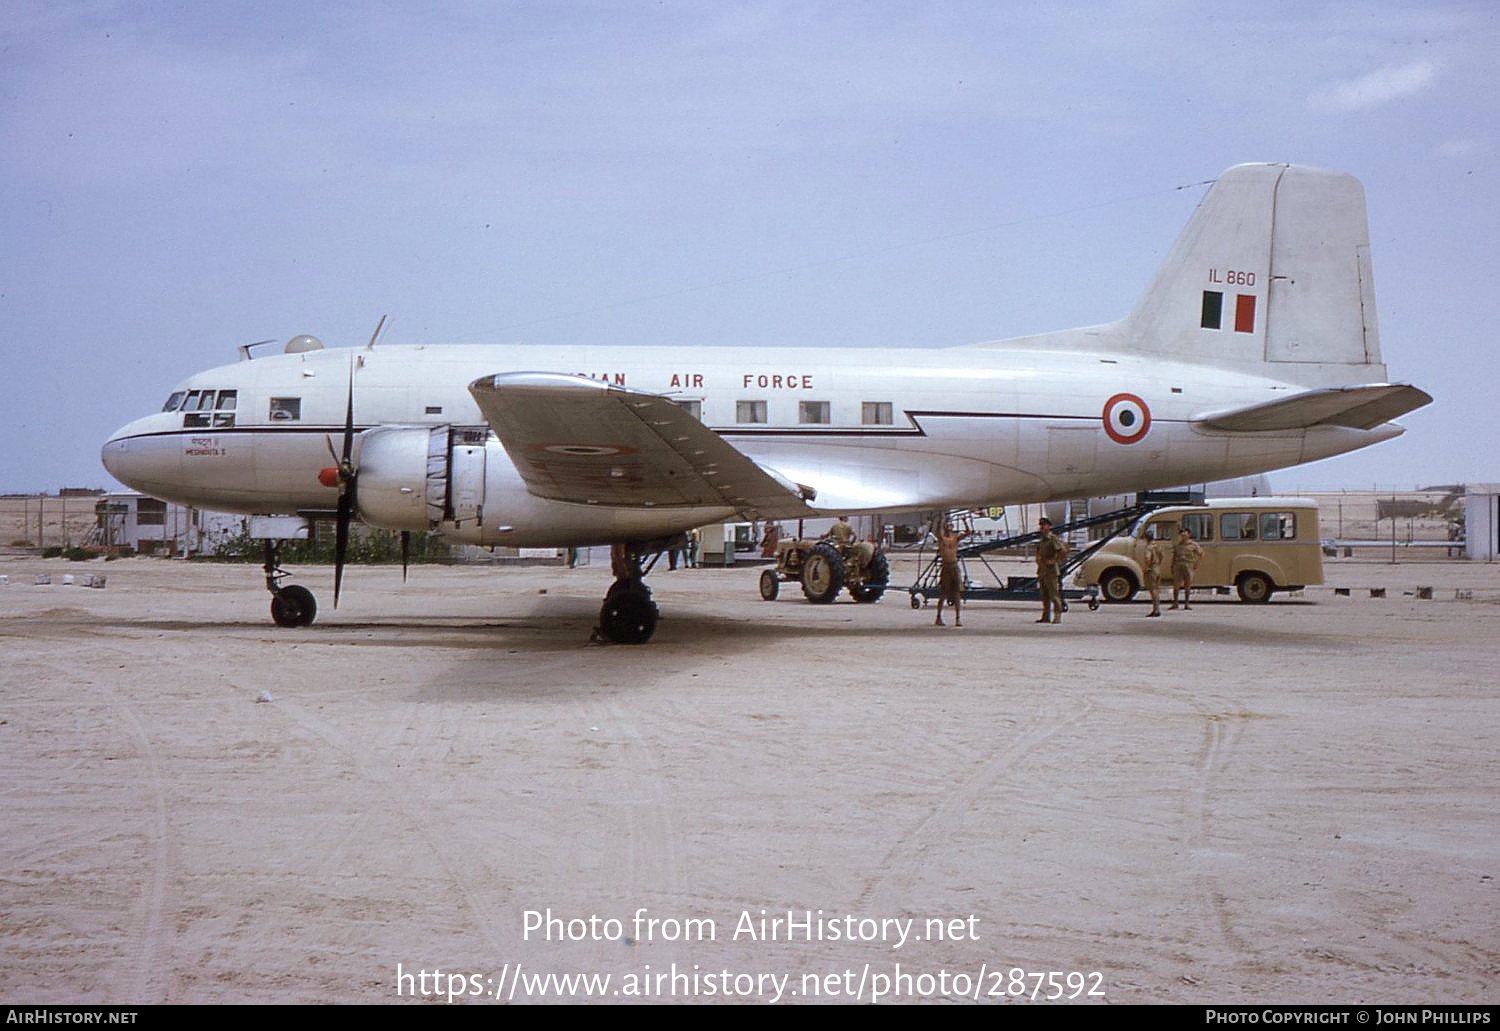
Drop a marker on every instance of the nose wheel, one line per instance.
(292, 605)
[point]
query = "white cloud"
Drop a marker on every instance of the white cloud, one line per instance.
(1376, 88)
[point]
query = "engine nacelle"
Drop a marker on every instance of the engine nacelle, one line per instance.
(403, 476)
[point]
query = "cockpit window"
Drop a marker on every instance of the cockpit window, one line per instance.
(209, 408)
(284, 409)
(173, 402)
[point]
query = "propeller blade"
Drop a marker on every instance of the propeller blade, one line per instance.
(348, 480)
(341, 540)
(349, 422)
(405, 552)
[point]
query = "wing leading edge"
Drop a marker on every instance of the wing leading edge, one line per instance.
(580, 440)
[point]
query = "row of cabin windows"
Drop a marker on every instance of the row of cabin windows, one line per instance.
(809, 413)
(216, 408)
(1241, 526)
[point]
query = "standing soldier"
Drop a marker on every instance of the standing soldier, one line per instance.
(1154, 562)
(1051, 552)
(950, 586)
(1186, 554)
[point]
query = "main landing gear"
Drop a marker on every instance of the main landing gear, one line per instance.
(628, 615)
(292, 605)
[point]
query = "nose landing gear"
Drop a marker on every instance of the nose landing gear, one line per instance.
(292, 605)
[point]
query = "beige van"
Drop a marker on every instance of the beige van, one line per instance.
(1256, 545)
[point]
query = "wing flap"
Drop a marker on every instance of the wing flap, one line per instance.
(1362, 407)
(580, 440)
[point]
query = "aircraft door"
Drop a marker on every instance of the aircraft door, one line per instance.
(466, 477)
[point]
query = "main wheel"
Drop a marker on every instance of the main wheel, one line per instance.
(770, 585)
(1254, 588)
(876, 577)
(823, 574)
(628, 617)
(1117, 586)
(293, 606)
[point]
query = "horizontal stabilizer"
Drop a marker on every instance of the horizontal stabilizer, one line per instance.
(1361, 408)
(584, 441)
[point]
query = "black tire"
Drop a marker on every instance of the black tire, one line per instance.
(877, 577)
(1117, 586)
(770, 585)
(628, 617)
(1254, 588)
(917, 601)
(822, 574)
(293, 606)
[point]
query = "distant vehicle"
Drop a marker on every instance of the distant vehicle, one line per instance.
(1256, 545)
(824, 568)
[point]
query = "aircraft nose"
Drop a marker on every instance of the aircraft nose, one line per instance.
(139, 461)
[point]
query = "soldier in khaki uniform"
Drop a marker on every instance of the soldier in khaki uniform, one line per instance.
(1186, 554)
(1155, 560)
(840, 532)
(1051, 552)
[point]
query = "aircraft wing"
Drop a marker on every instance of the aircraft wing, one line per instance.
(1363, 408)
(580, 440)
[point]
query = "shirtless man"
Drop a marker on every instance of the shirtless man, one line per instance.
(950, 586)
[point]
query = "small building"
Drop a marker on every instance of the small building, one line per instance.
(147, 526)
(1482, 521)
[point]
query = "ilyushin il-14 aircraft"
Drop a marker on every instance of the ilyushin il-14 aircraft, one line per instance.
(1254, 348)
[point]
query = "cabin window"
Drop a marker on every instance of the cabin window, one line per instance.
(228, 399)
(813, 413)
(1199, 524)
(434, 409)
(173, 402)
(195, 420)
(749, 411)
(876, 413)
(1278, 526)
(191, 404)
(286, 409)
(1237, 526)
(206, 401)
(693, 408)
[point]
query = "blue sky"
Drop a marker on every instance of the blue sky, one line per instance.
(182, 178)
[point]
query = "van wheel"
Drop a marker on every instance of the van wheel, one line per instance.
(1117, 586)
(1254, 588)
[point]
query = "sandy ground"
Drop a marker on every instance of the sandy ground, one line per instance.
(1295, 802)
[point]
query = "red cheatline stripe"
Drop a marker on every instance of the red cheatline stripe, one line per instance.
(1244, 313)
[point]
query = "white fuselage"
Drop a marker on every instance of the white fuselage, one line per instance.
(968, 426)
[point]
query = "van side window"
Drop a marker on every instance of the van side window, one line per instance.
(1237, 526)
(1200, 525)
(1278, 526)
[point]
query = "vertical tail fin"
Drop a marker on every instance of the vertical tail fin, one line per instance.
(1272, 270)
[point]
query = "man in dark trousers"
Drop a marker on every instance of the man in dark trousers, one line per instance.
(950, 586)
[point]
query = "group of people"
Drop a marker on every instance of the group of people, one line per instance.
(1051, 555)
